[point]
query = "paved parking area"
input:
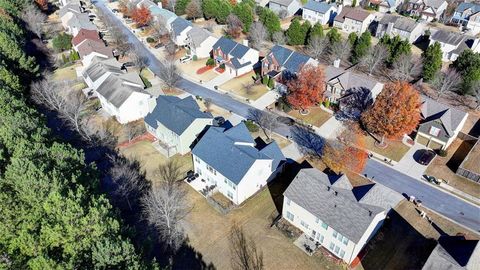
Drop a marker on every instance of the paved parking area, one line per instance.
(409, 166)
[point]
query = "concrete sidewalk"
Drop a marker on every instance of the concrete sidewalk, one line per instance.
(266, 100)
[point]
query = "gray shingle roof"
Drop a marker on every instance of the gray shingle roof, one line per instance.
(231, 47)
(70, 7)
(285, 3)
(232, 152)
(320, 7)
(179, 25)
(100, 66)
(448, 37)
(117, 91)
(356, 14)
(377, 195)
(81, 21)
(473, 6)
(198, 35)
(450, 117)
(348, 79)
(399, 22)
(89, 46)
(292, 61)
(434, 3)
(313, 191)
(175, 114)
(454, 253)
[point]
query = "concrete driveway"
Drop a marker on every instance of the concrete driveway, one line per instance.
(408, 165)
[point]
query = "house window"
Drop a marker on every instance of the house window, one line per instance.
(324, 225)
(317, 220)
(332, 246)
(199, 171)
(434, 131)
(320, 238)
(342, 253)
(212, 170)
(288, 201)
(304, 224)
(230, 195)
(335, 234)
(337, 249)
(340, 237)
(197, 160)
(290, 216)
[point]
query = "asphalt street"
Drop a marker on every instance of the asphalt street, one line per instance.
(443, 203)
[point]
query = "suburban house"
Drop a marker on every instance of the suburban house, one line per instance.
(66, 2)
(319, 12)
(385, 6)
(440, 124)
(85, 34)
(78, 21)
(338, 81)
(427, 10)
(353, 20)
(232, 163)
(90, 49)
(66, 12)
(200, 42)
(162, 15)
(453, 44)
(339, 217)
(282, 63)
(176, 123)
(395, 25)
(454, 252)
(179, 30)
(146, 3)
(237, 58)
(288, 7)
(468, 15)
(99, 69)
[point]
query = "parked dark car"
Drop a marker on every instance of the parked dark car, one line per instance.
(219, 120)
(426, 157)
(129, 64)
(159, 45)
(286, 120)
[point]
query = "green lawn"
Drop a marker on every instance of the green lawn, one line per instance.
(395, 150)
(316, 117)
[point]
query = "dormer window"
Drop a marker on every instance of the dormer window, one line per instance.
(434, 131)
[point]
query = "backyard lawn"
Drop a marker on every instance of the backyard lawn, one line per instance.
(192, 67)
(147, 73)
(66, 73)
(316, 117)
(395, 150)
(237, 86)
(281, 141)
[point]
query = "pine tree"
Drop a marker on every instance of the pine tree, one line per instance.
(294, 33)
(361, 47)
(432, 61)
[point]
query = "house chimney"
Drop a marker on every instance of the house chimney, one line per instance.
(328, 188)
(159, 4)
(245, 42)
(336, 193)
(369, 213)
(336, 63)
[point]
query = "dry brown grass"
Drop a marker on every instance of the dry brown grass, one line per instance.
(191, 68)
(237, 86)
(281, 141)
(316, 117)
(395, 150)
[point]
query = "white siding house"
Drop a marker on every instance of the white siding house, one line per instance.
(395, 25)
(230, 161)
(453, 44)
(340, 218)
(237, 58)
(353, 20)
(176, 123)
(179, 30)
(290, 7)
(200, 42)
(319, 12)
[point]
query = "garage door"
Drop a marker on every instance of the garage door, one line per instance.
(435, 145)
(422, 140)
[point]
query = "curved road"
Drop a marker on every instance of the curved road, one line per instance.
(441, 202)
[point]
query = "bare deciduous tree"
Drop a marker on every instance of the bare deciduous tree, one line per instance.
(159, 28)
(208, 104)
(169, 74)
(249, 88)
(169, 173)
(170, 50)
(137, 58)
(449, 80)
(234, 26)
(120, 40)
(34, 19)
(279, 38)
(47, 93)
(374, 58)
(406, 68)
(316, 47)
(257, 35)
(267, 121)
(133, 129)
(340, 50)
(243, 251)
(165, 207)
(194, 9)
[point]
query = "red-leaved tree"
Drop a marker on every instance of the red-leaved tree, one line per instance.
(141, 16)
(42, 4)
(307, 88)
(395, 112)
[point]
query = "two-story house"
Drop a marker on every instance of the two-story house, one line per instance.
(339, 217)
(176, 123)
(468, 15)
(319, 12)
(179, 30)
(353, 20)
(454, 252)
(338, 81)
(385, 6)
(237, 58)
(427, 10)
(230, 161)
(289, 7)
(453, 44)
(200, 42)
(439, 125)
(395, 25)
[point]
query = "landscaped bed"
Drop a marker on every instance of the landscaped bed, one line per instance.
(191, 69)
(237, 86)
(316, 116)
(395, 150)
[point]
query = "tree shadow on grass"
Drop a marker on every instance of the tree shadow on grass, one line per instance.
(462, 151)
(188, 258)
(309, 143)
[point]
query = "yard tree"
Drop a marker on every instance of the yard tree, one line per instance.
(209, 8)
(476, 93)
(243, 251)
(234, 26)
(194, 9)
(374, 58)
(355, 101)
(137, 58)
(62, 42)
(257, 35)
(333, 36)
(42, 4)
(141, 16)
(294, 32)
(316, 31)
(406, 68)
(307, 88)
(432, 61)
(169, 74)
(270, 20)
(123, 6)
(265, 120)
(306, 27)
(317, 46)
(468, 65)
(352, 38)
(339, 50)
(181, 6)
(244, 12)
(444, 81)
(396, 47)
(279, 38)
(361, 47)
(224, 9)
(34, 19)
(396, 112)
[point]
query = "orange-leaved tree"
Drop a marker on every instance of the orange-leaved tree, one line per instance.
(123, 7)
(347, 152)
(396, 111)
(42, 4)
(307, 88)
(141, 16)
